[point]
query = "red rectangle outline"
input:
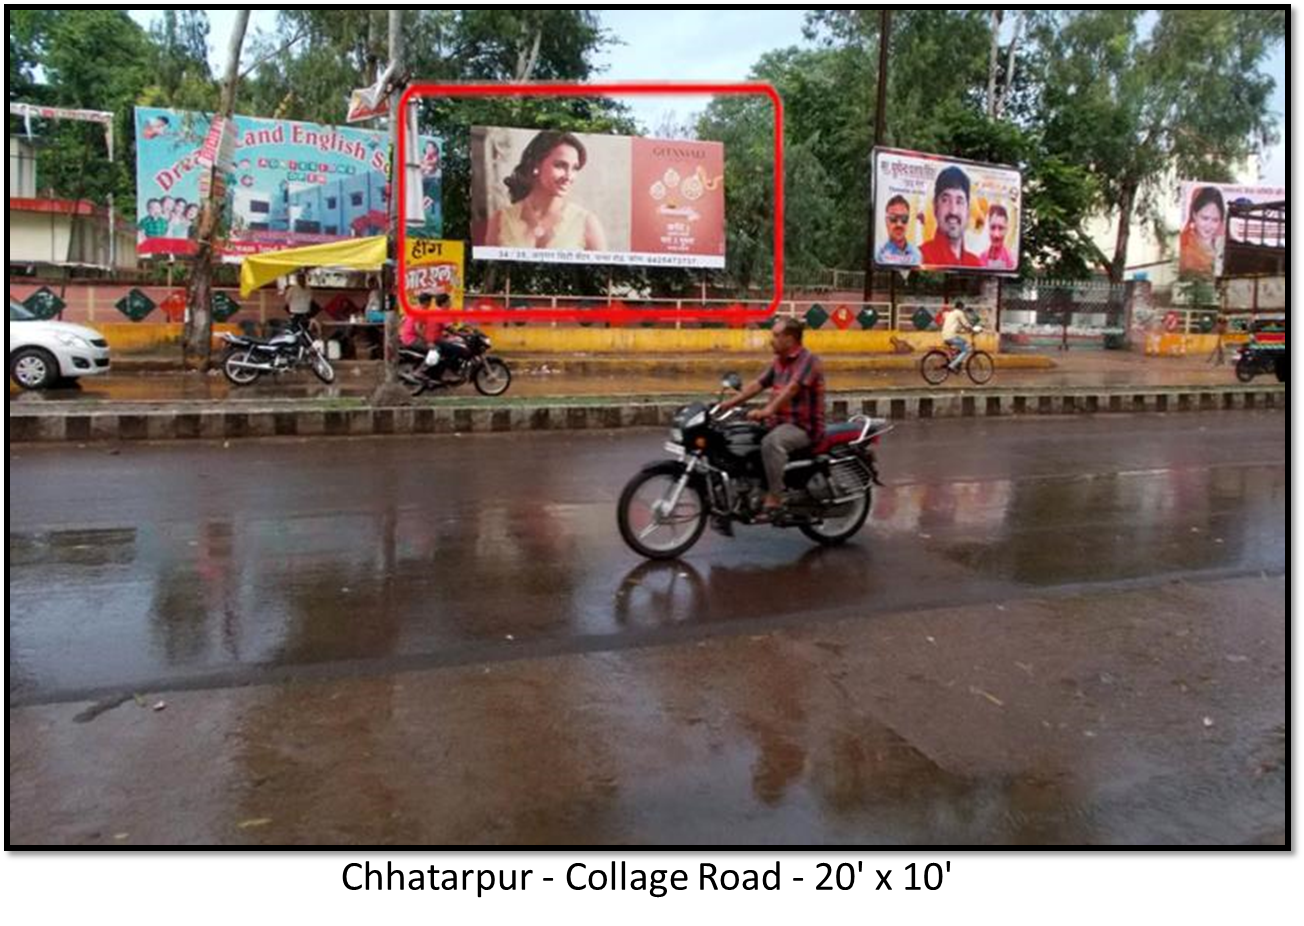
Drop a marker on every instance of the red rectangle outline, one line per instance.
(735, 314)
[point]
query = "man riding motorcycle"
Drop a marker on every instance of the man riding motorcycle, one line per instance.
(424, 334)
(795, 411)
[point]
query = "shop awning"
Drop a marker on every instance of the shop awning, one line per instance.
(349, 254)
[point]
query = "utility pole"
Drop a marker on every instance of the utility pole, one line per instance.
(880, 120)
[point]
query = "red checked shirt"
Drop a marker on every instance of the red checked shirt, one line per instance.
(806, 410)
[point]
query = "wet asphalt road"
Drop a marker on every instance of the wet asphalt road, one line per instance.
(164, 567)
(1051, 632)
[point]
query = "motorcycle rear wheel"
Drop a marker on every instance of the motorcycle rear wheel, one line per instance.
(834, 530)
(239, 376)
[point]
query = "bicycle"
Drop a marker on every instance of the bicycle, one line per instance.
(936, 365)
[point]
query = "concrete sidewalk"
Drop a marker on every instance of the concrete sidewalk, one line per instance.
(157, 379)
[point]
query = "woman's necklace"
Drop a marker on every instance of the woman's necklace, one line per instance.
(538, 226)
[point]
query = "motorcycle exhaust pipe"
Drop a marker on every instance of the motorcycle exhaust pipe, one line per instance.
(243, 365)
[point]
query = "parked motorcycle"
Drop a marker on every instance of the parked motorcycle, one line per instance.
(246, 358)
(715, 473)
(1254, 359)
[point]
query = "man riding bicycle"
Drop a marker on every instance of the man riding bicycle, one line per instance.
(957, 323)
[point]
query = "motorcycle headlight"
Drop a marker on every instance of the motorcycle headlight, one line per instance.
(488, 343)
(677, 435)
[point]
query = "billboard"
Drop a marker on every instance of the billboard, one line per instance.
(434, 267)
(1205, 225)
(937, 213)
(560, 197)
(286, 184)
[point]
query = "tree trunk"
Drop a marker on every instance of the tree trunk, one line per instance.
(397, 162)
(197, 344)
(1127, 202)
(993, 64)
(372, 67)
(1009, 66)
(389, 391)
(526, 60)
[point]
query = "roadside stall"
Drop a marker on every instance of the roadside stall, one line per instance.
(345, 279)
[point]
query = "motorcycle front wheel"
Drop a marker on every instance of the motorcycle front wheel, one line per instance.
(492, 377)
(1245, 370)
(648, 525)
(322, 367)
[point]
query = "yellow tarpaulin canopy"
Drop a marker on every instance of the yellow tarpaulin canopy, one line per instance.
(258, 270)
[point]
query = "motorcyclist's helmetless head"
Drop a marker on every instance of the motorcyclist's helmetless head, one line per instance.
(785, 335)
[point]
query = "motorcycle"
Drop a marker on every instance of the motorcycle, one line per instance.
(715, 472)
(490, 375)
(293, 348)
(1254, 359)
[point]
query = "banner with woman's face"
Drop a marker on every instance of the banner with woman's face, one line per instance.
(1207, 222)
(560, 197)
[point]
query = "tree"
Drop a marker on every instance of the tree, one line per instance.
(199, 324)
(340, 47)
(89, 59)
(939, 66)
(824, 142)
(1143, 100)
(183, 79)
(28, 34)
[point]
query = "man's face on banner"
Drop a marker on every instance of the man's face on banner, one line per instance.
(898, 221)
(997, 223)
(951, 208)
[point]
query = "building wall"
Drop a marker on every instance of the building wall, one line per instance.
(22, 168)
(43, 238)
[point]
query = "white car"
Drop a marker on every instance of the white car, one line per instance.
(43, 352)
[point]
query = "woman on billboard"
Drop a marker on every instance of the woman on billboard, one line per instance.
(1203, 232)
(541, 215)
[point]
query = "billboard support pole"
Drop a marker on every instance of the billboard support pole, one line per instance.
(1000, 298)
(892, 301)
